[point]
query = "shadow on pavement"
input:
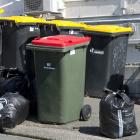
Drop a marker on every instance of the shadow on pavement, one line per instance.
(33, 119)
(90, 131)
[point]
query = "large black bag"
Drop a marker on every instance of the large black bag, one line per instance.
(13, 110)
(117, 117)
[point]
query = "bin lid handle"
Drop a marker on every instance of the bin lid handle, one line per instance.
(37, 38)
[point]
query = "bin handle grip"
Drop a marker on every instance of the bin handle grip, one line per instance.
(37, 38)
(59, 39)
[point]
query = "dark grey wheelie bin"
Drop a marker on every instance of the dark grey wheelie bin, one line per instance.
(3, 22)
(68, 27)
(106, 57)
(17, 31)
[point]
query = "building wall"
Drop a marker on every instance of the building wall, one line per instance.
(90, 8)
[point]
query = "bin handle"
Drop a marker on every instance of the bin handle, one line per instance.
(54, 39)
(60, 39)
(37, 38)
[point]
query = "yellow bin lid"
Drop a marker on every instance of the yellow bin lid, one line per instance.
(43, 21)
(21, 19)
(5, 18)
(71, 24)
(108, 29)
(26, 20)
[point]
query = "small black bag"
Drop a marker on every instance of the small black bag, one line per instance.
(117, 117)
(13, 80)
(13, 110)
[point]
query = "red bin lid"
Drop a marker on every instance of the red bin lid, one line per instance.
(60, 41)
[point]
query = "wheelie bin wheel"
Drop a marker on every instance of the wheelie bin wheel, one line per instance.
(85, 113)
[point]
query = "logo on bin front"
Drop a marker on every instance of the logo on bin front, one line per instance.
(48, 66)
(93, 51)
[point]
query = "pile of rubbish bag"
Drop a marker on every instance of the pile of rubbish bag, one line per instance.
(14, 108)
(117, 116)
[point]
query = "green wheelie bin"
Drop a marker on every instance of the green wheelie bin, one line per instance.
(106, 58)
(60, 77)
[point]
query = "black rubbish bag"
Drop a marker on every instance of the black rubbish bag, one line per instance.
(117, 117)
(13, 80)
(14, 110)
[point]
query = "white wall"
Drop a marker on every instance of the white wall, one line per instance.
(133, 6)
(90, 8)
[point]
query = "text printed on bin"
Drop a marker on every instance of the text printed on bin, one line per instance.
(48, 66)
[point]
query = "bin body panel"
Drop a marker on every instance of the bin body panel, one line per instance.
(14, 41)
(48, 30)
(70, 31)
(0, 45)
(105, 64)
(60, 79)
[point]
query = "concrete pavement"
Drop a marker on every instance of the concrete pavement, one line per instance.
(78, 130)
(10, 137)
